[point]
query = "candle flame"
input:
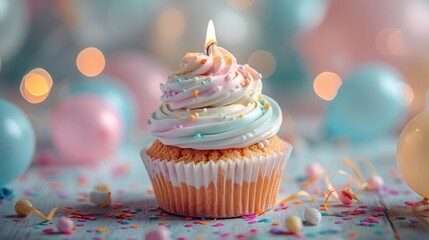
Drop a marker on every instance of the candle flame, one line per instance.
(211, 35)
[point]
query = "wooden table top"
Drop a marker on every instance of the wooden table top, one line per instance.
(68, 186)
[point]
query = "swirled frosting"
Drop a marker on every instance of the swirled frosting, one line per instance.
(214, 103)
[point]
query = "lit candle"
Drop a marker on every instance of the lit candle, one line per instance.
(210, 38)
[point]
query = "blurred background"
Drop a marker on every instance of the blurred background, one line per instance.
(87, 72)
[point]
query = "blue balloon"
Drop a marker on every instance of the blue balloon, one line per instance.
(287, 18)
(17, 142)
(371, 102)
(110, 90)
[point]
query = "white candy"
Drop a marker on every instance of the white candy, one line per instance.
(99, 194)
(159, 233)
(65, 225)
(375, 182)
(294, 224)
(312, 216)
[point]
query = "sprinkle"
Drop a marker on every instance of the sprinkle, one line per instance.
(224, 117)
(48, 230)
(198, 136)
(203, 61)
(203, 83)
(195, 93)
(188, 225)
(243, 137)
(218, 225)
(183, 90)
(191, 117)
(102, 230)
(197, 115)
(228, 60)
(261, 145)
(266, 142)
(276, 223)
(176, 117)
(260, 97)
(379, 209)
(179, 80)
(352, 235)
(241, 115)
(266, 105)
(204, 110)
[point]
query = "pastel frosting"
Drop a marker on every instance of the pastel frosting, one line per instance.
(214, 103)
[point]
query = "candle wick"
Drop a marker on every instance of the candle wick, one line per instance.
(209, 48)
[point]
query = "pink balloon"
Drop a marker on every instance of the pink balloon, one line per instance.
(347, 36)
(85, 128)
(142, 75)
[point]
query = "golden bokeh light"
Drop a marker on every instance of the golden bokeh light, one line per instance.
(90, 62)
(36, 85)
(171, 24)
(326, 85)
(264, 62)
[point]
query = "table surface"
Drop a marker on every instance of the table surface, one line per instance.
(68, 186)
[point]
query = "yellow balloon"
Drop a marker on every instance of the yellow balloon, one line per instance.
(413, 154)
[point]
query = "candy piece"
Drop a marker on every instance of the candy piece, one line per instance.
(375, 182)
(344, 199)
(23, 207)
(294, 224)
(159, 233)
(99, 194)
(312, 216)
(313, 169)
(65, 225)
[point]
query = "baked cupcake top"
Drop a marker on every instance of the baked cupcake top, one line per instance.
(214, 103)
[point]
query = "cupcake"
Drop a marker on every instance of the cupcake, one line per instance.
(217, 154)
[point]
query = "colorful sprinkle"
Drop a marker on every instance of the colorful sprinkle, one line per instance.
(195, 93)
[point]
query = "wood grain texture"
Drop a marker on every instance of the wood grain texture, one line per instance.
(48, 187)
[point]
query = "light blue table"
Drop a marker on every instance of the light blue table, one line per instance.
(48, 187)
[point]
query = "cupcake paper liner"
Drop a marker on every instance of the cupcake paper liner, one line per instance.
(217, 189)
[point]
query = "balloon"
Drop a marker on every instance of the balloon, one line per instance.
(370, 102)
(287, 19)
(412, 153)
(85, 128)
(359, 36)
(142, 76)
(17, 142)
(13, 27)
(109, 90)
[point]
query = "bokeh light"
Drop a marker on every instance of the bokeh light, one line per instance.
(391, 41)
(171, 23)
(381, 40)
(264, 62)
(90, 62)
(36, 85)
(326, 85)
(396, 43)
